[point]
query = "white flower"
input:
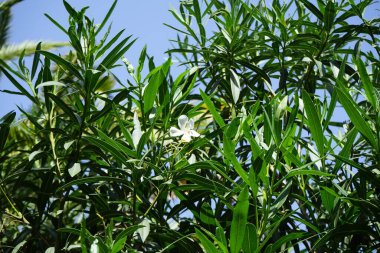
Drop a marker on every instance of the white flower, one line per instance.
(185, 129)
(192, 159)
(94, 247)
(137, 133)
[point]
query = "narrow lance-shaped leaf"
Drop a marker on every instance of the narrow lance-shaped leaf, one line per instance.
(235, 85)
(105, 19)
(229, 152)
(17, 84)
(115, 54)
(287, 238)
(58, 101)
(239, 221)
(356, 116)
(206, 243)
(282, 197)
(62, 63)
(311, 7)
(198, 17)
(36, 60)
(347, 147)
(366, 82)
(329, 15)
(56, 23)
(151, 90)
(4, 128)
(122, 237)
(314, 121)
(210, 105)
(250, 238)
(109, 44)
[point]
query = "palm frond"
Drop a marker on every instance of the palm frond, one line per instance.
(9, 52)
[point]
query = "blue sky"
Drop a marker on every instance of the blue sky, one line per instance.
(143, 19)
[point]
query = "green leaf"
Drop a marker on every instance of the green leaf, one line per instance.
(235, 85)
(70, 9)
(151, 90)
(108, 45)
(207, 215)
(75, 42)
(347, 148)
(62, 63)
(282, 197)
(5, 123)
(331, 109)
(297, 172)
(36, 60)
(198, 17)
(56, 23)
(116, 53)
(210, 105)
(220, 235)
(18, 247)
(206, 243)
(311, 7)
(105, 19)
(229, 153)
(366, 82)
(122, 237)
(16, 83)
(250, 241)
(110, 146)
(32, 118)
(34, 154)
(69, 231)
(281, 108)
(287, 238)
(126, 134)
(329, 15)
(84, 234)
(205, 183)
(50, 83)
(140, 65)
(369, 175)
(356, 116)
(327, 199)
(67, 110)
(261, 73)
(314, 122)
(239, 221)
(123, 94)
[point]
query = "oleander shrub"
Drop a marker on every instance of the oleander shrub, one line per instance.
(268, 141)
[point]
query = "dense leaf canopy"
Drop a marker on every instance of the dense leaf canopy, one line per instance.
(267, 142)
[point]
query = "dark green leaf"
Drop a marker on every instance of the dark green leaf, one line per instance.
(68, 111)
(356, 116)
(315, 124)
(62, 63)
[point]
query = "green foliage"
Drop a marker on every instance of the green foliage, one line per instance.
(244, 151)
